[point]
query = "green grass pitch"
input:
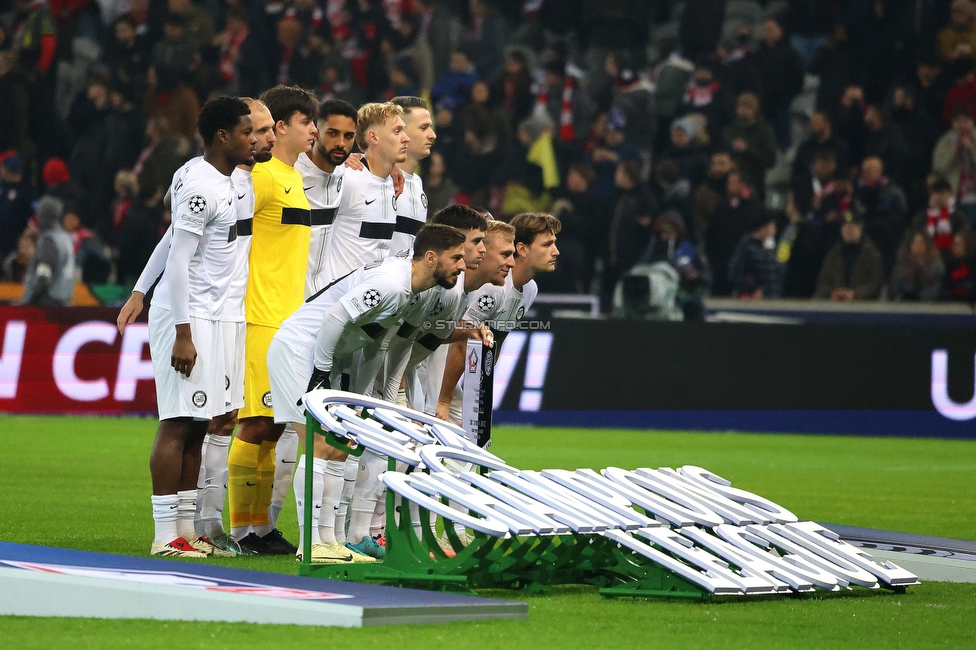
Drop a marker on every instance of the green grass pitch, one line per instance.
(84, 483)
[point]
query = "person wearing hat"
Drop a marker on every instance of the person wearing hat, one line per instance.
(853, 268)
(50, 277)
(15, 202)
(754, 272)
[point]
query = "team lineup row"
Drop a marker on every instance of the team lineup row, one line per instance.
(292, 264)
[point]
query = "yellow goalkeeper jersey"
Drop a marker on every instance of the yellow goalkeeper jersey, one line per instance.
(279, 244)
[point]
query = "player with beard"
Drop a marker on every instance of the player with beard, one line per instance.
(501, 308)
(184, 322)
(328, 329)
(212, 480)
(322, 170)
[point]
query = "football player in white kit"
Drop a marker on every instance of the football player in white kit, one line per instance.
(211, 483)
(501, 308)
(366, 218)
(411, 210)
(184, 326)
(327, 330)
(322, 170)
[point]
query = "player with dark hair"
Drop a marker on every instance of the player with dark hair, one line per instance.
(352, 312)
(276, 287)
(502, 307)
(412, 203)
(184, 321)
(212, 480)
(322, 171)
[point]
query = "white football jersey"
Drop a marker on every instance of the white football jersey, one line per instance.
(411, 214)
(364, 223)
(203, 204)
(501, 308)
(322, 190)
(233, 311)
(373, 297)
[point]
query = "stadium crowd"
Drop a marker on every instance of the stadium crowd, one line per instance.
(799, 148)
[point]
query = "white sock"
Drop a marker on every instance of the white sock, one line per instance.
(185, 512)
(286, 452)
(331, 491)
(212, 486)
(164, 507)
(350, 472)
(377, 525)
(318, 484)
(367, 492)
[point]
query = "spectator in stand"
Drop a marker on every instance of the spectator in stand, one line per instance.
(35, 40)
(940, 220)
(159, 160)
(885, 141)
(853, 268)
(701, 26)
(16, 197)
(558, 79)
(441, 27)
(751, 141)
(929, 85)
(89, 253)
(633, 96)
(685, 150)
(59, 184)
(672, 77)
(581, 216)
(959, 281)
(630, 230)
(86, 117)
(440, 189)
(613, 150)
(821, 137)
(50, 278)
(669, 243)
(754, 272)
(808, 22)
(126, 54)
(15, 107)
(954, 158)
(514, 87)
(170, 95)
(242, 65)
(781, 75)
(958, 38)
(741, 67)
(481, 111)
(920, 130)
(733, 219)
(882, 207)
(455, 84)
(197, 23)
(705, 95)
(176, 49)
(15, 264)
(484, 38)
(849, 121)
(532, 170)
(918, 270)
(711, 192)
(672, 192)
(478, 168)
(810, 187)
(963, 91)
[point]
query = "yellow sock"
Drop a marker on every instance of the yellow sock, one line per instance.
(242, 480)
(265, 488)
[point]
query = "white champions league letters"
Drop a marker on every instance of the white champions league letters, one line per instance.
(726, 540)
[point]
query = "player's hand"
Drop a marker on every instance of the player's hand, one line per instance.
(184, 352)
(398, 181)
(484, 334)
(130, 311)
(355, 161)
(319, 379)
(443, 412)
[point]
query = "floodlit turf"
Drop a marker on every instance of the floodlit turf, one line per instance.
(84, 483)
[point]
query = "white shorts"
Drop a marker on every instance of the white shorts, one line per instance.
(233, 341)
(288, 374)
(201, 395)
